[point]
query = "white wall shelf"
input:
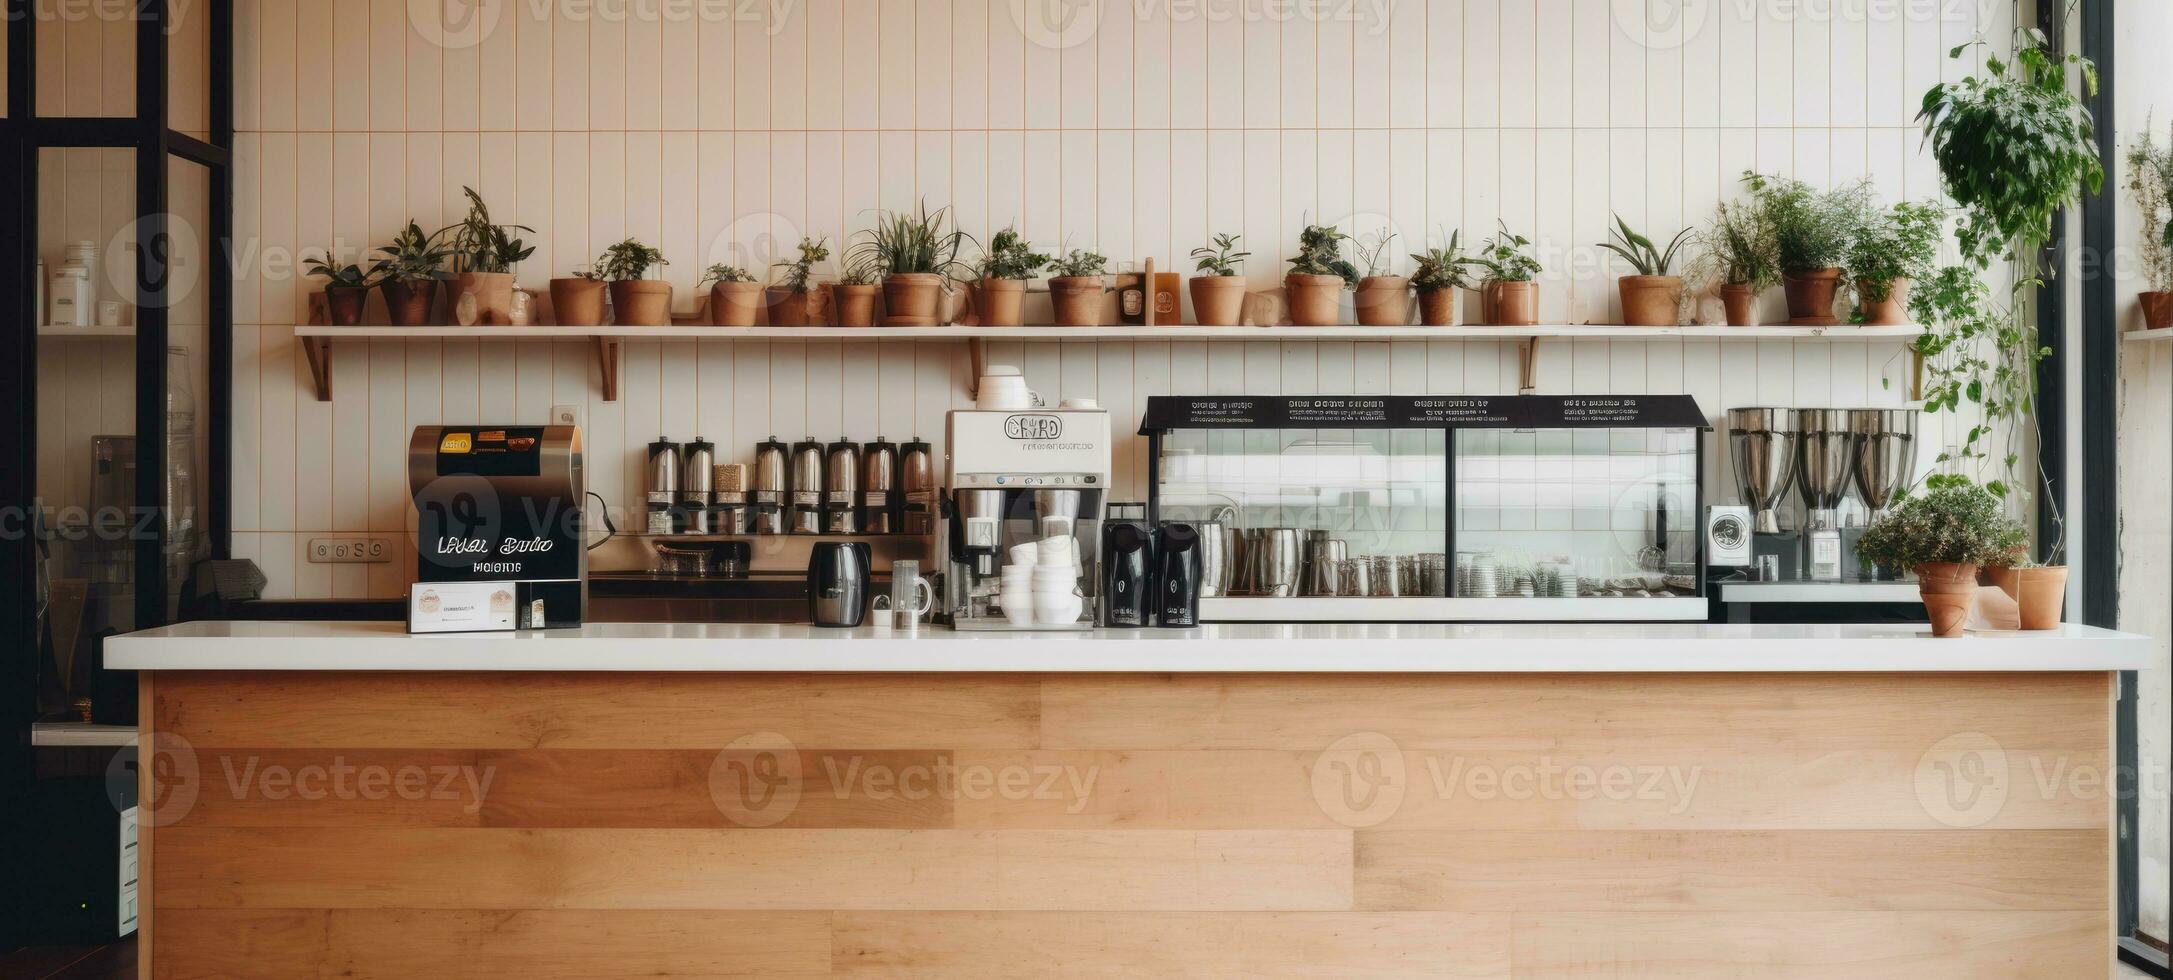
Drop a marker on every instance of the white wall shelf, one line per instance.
(317, 340)
(2159, 335)
(76, 734)
(69, 331)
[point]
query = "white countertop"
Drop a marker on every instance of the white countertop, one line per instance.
(1262, 648)
(1898, 592)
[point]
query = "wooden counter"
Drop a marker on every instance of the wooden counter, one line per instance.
(557, 824)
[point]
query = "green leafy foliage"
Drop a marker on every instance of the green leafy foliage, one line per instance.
(1080, 262)
(725, 273)
(1506, 257)
(919, 242)
(480, 245)
(335, 274)
(410, 256)
(1952, 520)
(1640, 252)
(1320, 253)
(626, 260)
(1011, 256)
(1442, 267)
(1372, 253)
(800, 270)
(2150, 179)
(2014, 145)
(1222, 259)
(1737, 247)
(1901, 242)
(1811, 228)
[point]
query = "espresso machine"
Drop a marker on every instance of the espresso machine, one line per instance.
(1762, 443)
(1825, 460)
(1884, 444)
(499, 509)
(1011, 477)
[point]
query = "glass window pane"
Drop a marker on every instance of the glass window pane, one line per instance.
(188, 70)
(86, 59)
(188, 196)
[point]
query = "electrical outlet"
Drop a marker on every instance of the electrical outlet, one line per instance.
(566, 415)
(349, 551)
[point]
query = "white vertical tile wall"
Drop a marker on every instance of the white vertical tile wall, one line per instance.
(1138, 134)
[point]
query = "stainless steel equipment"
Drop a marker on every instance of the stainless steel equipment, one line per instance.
(1324, 555)
(1825, 457)
(662, 488)
(1277, 561)
(729, 507)
(841, 488)
(878, 487)
(1011, 477)
(1762, 443)
(1218, 569)
(917, 488)
(772, 483)
(1883, 450)
(697, 486)
(804, 514)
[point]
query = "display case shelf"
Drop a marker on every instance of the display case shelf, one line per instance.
(317, 340)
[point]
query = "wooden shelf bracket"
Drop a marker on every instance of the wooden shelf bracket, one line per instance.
(319, 352)
(607, 365)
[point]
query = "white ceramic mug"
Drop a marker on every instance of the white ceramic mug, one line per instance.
(1003, 388)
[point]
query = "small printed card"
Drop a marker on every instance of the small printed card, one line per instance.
(460, 607)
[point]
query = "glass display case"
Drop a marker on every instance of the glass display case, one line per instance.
(1436, 508)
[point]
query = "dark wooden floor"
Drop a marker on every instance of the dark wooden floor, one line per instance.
(113, 962)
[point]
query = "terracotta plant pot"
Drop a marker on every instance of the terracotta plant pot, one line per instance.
(788, 307)
(1312, 299)
(641, 303)
(1650, 301)
(493, 292)
(912, 299)
(1000, 302)
(854, 305)
(2041, 592)
(1949, 611)
(1810, 296)
(1945, 576)
(577, 301)
(408, 301)
(733, 304)
(1741, 302)
(1078, 300)
(1893, 311)
(2157, 310)
(1437, 307)
(1218, 301)
(819, 306)
(1383, 301)
(1510, 304)
(343, 304)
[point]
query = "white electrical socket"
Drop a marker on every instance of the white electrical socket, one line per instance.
(349, 551)
(566, 415)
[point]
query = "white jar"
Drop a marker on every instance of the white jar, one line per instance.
(70, 297)
(85, 254)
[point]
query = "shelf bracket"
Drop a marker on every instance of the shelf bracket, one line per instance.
(607, 365)
(319, 352)
(1527, 365)
(977, 355)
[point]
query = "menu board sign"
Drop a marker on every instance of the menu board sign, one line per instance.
(1165, 412)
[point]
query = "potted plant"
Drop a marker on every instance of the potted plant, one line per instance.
(1441, 272)
(484, 254)
(1218, 292)
(999, 295)
(1382, 300)
(1736, 257)
(1507, 296)
(1811, 234)
(1654, 296)
(2150, 177)
(1318, 275)
(1944, 536)
(346, 289)
(787, 300)
(1076, 286)
(1891, 250)
(406, 271)
(917, 256)
(578, 299)
(734, 295)
(636, 301)
(852, 297)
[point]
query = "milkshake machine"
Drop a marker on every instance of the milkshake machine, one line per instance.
(1011, 477)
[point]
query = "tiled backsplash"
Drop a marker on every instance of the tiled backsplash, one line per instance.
(1137, 135)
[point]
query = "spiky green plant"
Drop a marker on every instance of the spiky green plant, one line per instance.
(920, 242)
(1638, 250)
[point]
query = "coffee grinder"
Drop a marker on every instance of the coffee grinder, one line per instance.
(1011, 477)
(1762, 443)
(1825, 459)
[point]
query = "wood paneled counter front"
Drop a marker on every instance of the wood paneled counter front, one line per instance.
(1399, 801)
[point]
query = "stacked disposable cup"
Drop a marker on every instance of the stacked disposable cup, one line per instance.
(1017, 597)
(1056, 582)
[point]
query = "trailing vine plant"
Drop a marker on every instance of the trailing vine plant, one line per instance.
(2014, 146)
